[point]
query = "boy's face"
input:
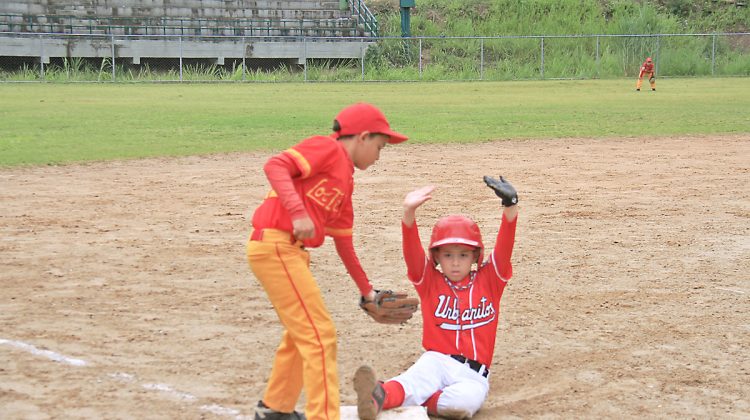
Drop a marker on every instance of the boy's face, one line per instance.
(455, 260)
(368, 149)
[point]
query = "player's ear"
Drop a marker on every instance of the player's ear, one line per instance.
(363, 135)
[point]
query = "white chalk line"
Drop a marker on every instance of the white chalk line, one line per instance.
(57, 357)
(730, 290)
(126, 377)
(166, 389)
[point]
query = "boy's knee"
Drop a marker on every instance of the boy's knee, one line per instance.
(328, 337)
(461, 405)
(455, 412)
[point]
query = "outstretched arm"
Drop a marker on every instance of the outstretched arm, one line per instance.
(345, 249)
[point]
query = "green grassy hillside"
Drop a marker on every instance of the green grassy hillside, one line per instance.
(562, 17)
(522, 24)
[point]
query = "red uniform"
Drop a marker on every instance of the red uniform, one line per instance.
(460, 319)
(325, 185)
(647, 69)
(323, 180)
(312, 184)
(460, 326)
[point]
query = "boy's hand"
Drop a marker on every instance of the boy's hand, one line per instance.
(503, 189)
(303, 228)
(387, 307)
(418, 197)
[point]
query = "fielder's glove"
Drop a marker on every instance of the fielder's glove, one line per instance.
(502, 189)
(389, 307)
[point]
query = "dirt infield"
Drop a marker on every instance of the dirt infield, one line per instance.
(126, 293)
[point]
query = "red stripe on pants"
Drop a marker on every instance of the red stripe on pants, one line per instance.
(306, 356)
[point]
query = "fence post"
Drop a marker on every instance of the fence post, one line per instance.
(713, 54)
(598, 69)
(304, 48)
(420, 58)
(113, 57)
(481, 61)
(41, 54)
(658, 55)
(244, 53)
(362, 59)
(180, 58)
(542, 68)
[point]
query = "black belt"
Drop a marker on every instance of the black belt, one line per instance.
(472, 364)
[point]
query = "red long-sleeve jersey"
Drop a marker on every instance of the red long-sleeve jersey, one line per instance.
(646, 68)
(314, 178)
(461, 319)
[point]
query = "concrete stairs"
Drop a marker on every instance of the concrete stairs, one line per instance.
(213, 30)
(185, 17)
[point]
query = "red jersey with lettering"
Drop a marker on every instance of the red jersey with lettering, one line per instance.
(325, 183)
(461, 319)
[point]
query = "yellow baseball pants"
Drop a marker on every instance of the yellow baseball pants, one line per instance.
(306, 356)
(651, 80)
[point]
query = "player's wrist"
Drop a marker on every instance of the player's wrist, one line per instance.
(369, 296)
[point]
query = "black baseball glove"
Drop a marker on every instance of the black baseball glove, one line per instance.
(503, 189)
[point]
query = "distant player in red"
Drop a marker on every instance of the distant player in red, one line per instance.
(460, 311)
(311, 198)
(647, 69)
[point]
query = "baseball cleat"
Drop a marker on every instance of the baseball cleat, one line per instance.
(263, 412)
(370, 393)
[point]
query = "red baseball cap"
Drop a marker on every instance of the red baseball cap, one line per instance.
(360, 117)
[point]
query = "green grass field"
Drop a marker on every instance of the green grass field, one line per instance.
(64, 123)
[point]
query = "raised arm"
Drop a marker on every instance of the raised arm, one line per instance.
(414, 255)
(507, 234)
(413, 200)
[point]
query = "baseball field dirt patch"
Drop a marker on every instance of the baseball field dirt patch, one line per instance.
(126, 294)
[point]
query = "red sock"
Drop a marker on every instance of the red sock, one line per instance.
(394, 395)
(431, 403)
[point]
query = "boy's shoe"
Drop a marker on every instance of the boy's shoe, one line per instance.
(370, 393)
(262, 412)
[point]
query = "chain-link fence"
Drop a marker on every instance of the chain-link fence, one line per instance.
(110, 58)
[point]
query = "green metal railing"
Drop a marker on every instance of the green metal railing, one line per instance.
(364, 17)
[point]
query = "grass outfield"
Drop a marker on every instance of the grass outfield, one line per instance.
(63, 123)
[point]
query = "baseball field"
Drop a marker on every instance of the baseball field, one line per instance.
(124, 212)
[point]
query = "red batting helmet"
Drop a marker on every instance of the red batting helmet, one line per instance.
(457, 230)
(648, 58)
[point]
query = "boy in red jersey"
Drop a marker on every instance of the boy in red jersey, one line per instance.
(647, 69)
(460, 311)
(311, 197)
